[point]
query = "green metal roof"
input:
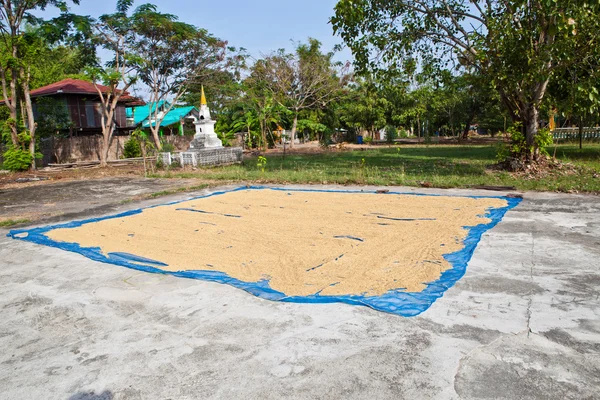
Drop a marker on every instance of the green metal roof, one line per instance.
(142, 113)
(172, 117)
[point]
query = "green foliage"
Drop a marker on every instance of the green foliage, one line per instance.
(16, 159)
(53, 119)
(391, 134)
(167, 147)
(168, 55)
(226, 138)
(518, 147)
(261, 163)
(403, 134)
(517, 47)
(12, 222)
(366, 108)
(543, 140)
(175, 163)
(132, 148)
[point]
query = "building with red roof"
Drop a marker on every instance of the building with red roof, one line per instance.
(82, 101)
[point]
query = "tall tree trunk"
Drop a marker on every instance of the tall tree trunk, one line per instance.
(531, 129)
(580, 133)
(104, 152)
(470, 119)
(156, 137)
(262, 135)
(11, 102)
(108, 127)
(30, 117)
(245, 141)
(106, 142)
(294, 129)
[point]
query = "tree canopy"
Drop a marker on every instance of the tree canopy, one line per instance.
(421, 68)
(519, 45)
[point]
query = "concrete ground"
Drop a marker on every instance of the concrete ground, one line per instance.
(523, 323)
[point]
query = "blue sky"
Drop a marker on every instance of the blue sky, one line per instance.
(260, 26)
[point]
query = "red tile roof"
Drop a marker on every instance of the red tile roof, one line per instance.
(76, 86)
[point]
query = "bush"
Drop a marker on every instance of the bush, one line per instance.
(261, 163)
(16, 159)
(368, 140)
(517, 149)
(543, 140)
(167, 147)
(132, 148)
(391, 134)
(175, 163)
(226, 138)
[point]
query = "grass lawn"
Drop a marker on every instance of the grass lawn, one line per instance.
(440, 166)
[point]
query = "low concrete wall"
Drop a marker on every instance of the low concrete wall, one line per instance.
(210, 157)
(87, 148)
(221, 156)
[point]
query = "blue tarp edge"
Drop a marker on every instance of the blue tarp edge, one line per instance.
(395, 301)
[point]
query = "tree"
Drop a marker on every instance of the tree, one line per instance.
(53, 117)
(170, 56)
(15, 67)
(259, 99)
(518, 45)
(56, 62)
(114, 33)
(307, 79)
(366, 108)
(576, 92)
(246, 122)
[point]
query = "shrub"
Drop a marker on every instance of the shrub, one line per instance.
(543, 140)
(16, 159)
(391, 134)
(517, 149)
(226, 138)
(326, 138)
(368, 140)
(518, 146)
(261, 163)
(403, 134)
(167, 147)
(132, 148)
(175, 163)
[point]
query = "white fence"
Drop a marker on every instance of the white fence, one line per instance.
(572, 134)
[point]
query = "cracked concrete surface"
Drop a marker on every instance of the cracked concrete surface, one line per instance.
(523, 323)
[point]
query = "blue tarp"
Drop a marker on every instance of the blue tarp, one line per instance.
(395, 301)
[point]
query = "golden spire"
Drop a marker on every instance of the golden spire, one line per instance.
(203, 98)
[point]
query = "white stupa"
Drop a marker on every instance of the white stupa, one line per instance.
(205, 137)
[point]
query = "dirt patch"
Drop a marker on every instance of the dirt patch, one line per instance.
(9, 181)
(63, 199)
(303, 243)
